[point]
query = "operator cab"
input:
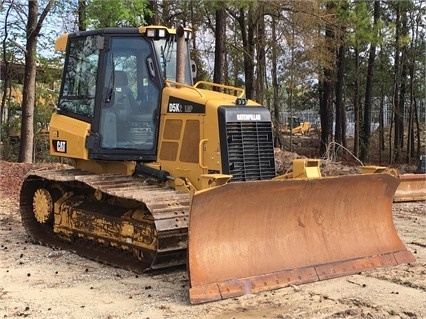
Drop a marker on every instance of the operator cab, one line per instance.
(113, 80)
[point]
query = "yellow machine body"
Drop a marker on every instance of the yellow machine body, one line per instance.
(73, 131)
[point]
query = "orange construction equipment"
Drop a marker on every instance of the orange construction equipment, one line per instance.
(412, 188)
(296, 126)
(348, 231)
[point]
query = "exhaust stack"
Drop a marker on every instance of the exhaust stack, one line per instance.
(180, 56)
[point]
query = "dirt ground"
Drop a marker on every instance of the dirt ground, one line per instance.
(38, 282)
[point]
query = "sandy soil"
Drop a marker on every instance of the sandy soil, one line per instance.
(38, 282)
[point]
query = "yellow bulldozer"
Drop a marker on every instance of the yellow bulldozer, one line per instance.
(168, 173)
(296, 126)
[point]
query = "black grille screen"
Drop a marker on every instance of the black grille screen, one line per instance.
(250, 151)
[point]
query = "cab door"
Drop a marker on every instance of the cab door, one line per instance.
(127, 117)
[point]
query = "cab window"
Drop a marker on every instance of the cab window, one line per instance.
(79, 87)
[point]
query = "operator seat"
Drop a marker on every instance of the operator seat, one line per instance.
(124, 101)
(124, 106)
(115, 120)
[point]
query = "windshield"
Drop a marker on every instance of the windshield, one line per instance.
(79, 83)
(166, 51)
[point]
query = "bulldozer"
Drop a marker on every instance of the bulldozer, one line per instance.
(296, 126)
(167, 172)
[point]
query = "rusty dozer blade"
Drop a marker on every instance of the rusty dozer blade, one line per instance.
(247, 237)
(412, 188)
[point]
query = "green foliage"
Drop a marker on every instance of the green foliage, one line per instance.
(11, 129)
(202, 74)
(46, 99)
(10, 137)
(117, 13)
(305, 97)
(49, 70)
(361, 28)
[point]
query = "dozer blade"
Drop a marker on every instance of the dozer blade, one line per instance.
(411, 188)
(247, 237)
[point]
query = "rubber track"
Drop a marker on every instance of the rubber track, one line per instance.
(169, 208)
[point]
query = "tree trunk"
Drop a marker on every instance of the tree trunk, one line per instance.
(249, 56)
(398, 120)
(416, 119)
(410, 136)
(366, 130)
(401, 104)
(6, 83)
(340, 117)
(327, 88)
(261, 59)
(274, 73)
(153, 7)
(220, 32)
(357, 106)
(381, 123)
(382, 108)
(28, 100)
(326, 112)
(247, 36)
(82, 18)
(411, 148)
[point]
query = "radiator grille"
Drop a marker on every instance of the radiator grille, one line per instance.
(250, 150)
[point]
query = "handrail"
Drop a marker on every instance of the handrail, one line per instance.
(195, 87)
(200, 153)
(169, 82)
(223, 86)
